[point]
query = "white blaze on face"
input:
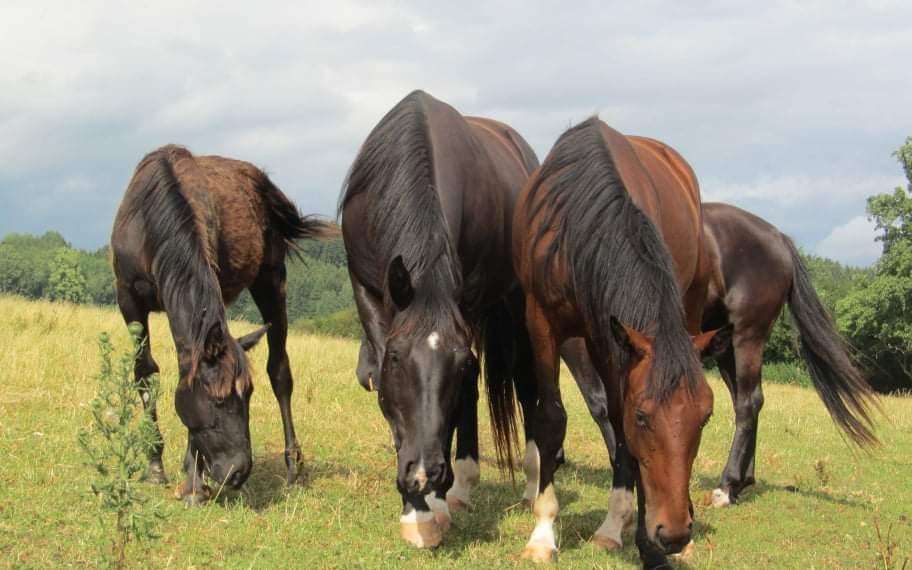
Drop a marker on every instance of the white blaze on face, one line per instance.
(531, 467)
(466, 474)
(433, 340)
(421, 476)
(620, 514)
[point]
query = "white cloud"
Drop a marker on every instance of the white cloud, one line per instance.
(776, 105)
(852, 243)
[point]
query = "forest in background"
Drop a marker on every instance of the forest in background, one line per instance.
(872, 306)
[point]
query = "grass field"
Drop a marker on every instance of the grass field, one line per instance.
(817, 503)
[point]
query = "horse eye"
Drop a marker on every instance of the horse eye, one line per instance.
(642, 420)
(394, 357)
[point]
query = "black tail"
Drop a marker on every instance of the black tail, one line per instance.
(499, 353)
(287, 221)
(840, 384)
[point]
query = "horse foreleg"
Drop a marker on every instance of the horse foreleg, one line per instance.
(550, 422)
(268, 292)
(194, 490)
(134, 310)
(741, 369)
(466, 471)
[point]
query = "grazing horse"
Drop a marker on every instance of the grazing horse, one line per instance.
(426, 212)
(607, 242)
(759, 271)
(190, 234)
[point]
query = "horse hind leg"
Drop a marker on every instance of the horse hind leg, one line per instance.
(134, 310)
(268, 292)
(741, 370)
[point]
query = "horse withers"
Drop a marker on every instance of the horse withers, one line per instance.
(190, 234)
(426, 213)
(608, 246)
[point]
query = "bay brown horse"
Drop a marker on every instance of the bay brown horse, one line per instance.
(759, 271)
(426, 212)
(607, 240)
(191, 233)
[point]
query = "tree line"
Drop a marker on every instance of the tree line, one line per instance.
(872, 306)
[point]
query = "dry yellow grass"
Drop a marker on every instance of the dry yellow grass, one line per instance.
(815, 506)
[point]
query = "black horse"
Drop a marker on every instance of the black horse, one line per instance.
(758, 270)
(190, 234)
(426, 211)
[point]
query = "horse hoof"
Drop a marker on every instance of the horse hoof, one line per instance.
(425, 534)
(605, 542)
(155, 475)
(687, 554)
(720, 499)
(195, 499)
(540, 553)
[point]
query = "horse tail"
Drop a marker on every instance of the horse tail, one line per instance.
(499, 359)
(288, 222)
(840, 384)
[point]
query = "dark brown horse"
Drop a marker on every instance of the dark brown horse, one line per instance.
(761, 271)
(190, 234)
(607, 240)
(758, 271)
(426, 214)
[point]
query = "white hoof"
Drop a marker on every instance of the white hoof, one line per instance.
(720, 499)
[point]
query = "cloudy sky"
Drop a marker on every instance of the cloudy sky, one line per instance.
(788, 109)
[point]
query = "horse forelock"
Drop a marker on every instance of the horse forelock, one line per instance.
(613, 253)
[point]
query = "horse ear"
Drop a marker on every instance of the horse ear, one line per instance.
(250, 340)
(400, 283)
(713, 343)
(630, 339)
(215, 342)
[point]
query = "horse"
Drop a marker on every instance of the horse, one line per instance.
(759, 271)
(608, 247)
(190, 234)
(426, 211)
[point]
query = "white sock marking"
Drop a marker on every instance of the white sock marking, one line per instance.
(720, 498)
(416, 516)
(545, 511)
(620, 511)
(466, 474)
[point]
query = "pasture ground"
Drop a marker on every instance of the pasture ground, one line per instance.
(817, 504)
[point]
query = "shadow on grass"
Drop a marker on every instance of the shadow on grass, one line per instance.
(267, 486)
(762, 487)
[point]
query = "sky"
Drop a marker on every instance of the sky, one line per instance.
(791, 110)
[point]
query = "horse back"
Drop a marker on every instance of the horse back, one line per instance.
(664, 187)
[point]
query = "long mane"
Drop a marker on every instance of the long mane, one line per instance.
(394, 170)
(175, 240)
(615, 256)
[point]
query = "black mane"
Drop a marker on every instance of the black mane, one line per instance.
(615, 256)
(395, 170)
(183, 266)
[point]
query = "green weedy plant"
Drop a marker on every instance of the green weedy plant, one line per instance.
(116, 447)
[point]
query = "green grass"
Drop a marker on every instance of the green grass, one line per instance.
(817, 503)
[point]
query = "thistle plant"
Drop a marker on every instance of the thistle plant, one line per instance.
(116, 447)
